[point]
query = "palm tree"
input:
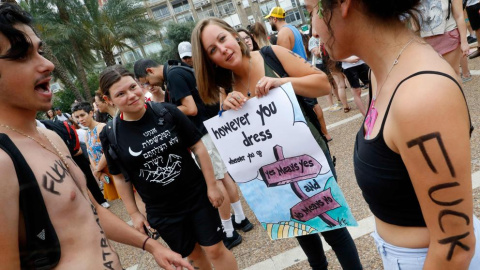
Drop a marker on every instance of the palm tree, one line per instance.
(61, 73)
(114, 24)
(59, 22)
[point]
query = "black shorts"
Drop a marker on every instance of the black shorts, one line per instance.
(323, 68)
(473, 16)
(311, 102)
(181, 233)
(356, 73)
(338, 66)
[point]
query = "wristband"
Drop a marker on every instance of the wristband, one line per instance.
(221, 110)
(144, 242)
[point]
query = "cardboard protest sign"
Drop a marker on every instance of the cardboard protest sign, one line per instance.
(281, 170)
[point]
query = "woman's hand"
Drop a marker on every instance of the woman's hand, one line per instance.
(169, 259)
(215, 195)
(264, 85)
(234, 101)
(98, 174)
(102, 178)
(139, 221)
(465, 48)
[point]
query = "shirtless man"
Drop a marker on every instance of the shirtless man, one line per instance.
(78, 237)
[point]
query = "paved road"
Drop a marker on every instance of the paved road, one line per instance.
(258, 252)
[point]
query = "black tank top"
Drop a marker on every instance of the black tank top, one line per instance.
(383, 177)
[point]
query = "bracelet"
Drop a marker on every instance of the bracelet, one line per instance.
(221, 110)
(144, 242)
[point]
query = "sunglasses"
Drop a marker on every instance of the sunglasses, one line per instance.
(187, 58)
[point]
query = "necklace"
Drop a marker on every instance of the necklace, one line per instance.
(248, 82)
(372, 111)
(57, 152)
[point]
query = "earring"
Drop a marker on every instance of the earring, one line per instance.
(238, 39)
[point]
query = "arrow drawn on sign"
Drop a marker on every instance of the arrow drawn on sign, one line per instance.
(291, 171)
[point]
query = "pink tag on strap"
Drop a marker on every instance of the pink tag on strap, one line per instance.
(370, 119)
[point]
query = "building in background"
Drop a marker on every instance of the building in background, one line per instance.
(237, 13)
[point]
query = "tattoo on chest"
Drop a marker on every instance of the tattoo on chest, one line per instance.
(55, 175)
(444, 188)
(106, 255)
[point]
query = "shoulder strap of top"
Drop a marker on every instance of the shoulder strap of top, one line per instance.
(421, 73)
(43, 247)
(272, 61)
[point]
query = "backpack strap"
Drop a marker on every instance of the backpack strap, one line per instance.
(161, 112)
(42, 249)
(111, 133)
(272, 61)
(171, 65)
(72, 134)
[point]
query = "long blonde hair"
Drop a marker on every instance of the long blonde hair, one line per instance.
(210, 76)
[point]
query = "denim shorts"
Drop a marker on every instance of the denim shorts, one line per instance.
(399, 258)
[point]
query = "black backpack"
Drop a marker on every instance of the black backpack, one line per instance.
(111, 132)
(66, 132)
(172, 65)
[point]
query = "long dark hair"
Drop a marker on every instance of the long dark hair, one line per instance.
(255, 44)
(385, 11)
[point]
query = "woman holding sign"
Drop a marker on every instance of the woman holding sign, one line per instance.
(223, 61)
(412, 157)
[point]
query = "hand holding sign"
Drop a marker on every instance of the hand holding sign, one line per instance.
(286, 194)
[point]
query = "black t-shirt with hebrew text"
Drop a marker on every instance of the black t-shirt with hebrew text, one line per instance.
(157, 158)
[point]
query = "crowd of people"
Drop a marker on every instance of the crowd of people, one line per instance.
(143, 139)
